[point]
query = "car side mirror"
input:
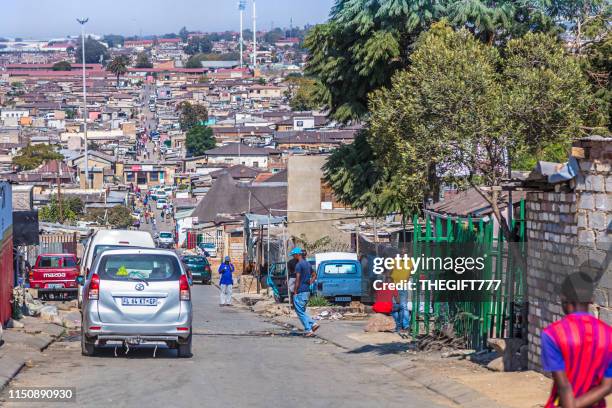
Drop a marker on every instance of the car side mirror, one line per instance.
(80, 280)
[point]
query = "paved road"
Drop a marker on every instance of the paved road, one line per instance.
(236, 363)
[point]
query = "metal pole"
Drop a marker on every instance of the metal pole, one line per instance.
(59, 192)
(268, 249)
(254, 38)
(241, 6)
(85, 114)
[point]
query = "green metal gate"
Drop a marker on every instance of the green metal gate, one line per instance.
(474, 321)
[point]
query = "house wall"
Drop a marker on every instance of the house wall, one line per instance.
(570, 230)
(251, 161)
(304, 175)
(7, 276)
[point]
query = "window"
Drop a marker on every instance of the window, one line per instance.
(129, 176)
(154, 176)
(255, 164)
(56, 262)
(299, 123)
(328, 200)
(149, 267)
(337, 269)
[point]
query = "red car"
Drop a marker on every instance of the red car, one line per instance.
(55, 273)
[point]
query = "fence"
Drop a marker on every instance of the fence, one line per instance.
(502, 313)
(54, 244)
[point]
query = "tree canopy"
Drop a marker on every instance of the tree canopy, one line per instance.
(119, 66)
(184, 34)
(62, 66)
(95, 52)
(72, 209)
(32, 156)
(113, 40)
(199, 139)
(142, 61)
(191, 115)
(200, 44)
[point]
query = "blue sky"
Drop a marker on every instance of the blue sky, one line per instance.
(56, 18)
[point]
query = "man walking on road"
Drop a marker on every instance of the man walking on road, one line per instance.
(301, 291)
(225, 271)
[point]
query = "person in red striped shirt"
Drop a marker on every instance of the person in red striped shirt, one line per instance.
(577, 349)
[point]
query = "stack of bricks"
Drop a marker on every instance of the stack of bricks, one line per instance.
(570, 226)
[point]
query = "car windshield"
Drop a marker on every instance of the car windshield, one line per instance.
(56, 262)
(165, 235)
(150, 267)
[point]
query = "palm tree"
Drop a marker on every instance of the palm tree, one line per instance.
(119, 66)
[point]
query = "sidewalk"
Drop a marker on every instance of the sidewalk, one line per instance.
(21, 345)
(462, 382)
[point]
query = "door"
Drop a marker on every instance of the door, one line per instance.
(139, 288)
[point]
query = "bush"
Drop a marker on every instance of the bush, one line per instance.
(317, 301)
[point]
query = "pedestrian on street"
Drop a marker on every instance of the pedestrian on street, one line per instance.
(577, 349)
(146, 216)
(226, 282)
(304, 277)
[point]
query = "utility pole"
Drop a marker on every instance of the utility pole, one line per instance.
(241, 7)
(59, 191)
(254, 38)
(85, 114)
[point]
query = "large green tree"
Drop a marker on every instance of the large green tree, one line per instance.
(71, 210)
(197, 45)
(461, 109)
(199, 139)
(191, 115)
(95, 52)
(119, 66)
(143, 61)
(365, 42)
(113, 40)
(62, 66)
(32, 156)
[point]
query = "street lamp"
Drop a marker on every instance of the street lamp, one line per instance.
(85, 114)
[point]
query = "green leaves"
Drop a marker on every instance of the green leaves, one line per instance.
(32, 156)
(199, 139)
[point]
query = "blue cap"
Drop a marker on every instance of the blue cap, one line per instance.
(296, 251)
(227, 258)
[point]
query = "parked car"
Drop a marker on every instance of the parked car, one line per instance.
(209, 248)
(165, 239)
(160, 203)
(135, 296)
(103, 240)
(55, 273)
(199, 267)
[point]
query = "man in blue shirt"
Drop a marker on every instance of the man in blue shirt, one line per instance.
(225, 271)
(304, 276)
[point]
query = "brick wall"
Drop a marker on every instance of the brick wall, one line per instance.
(570, 227)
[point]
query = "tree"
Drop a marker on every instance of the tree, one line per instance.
(62, 66)
(461, 109)
(199, 139)
(120, 217)
(303, 94)
(95, 52)
(365, 42)
(142, 61)
(119, 66)
(184, 34)
(274, 35)
(200, 44)
(32, 156)
(191, 115)
(72, 209)
(113, 40)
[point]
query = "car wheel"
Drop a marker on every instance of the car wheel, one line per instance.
(184, 349)
(87, 348)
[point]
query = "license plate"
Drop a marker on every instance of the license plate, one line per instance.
(138, 301)
(342, 298)
(55, 286)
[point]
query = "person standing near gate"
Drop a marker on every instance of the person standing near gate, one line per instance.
(304, 277)
(225, 271)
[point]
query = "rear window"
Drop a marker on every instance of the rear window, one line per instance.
(149, 267)
(101, 248)
(195, 260)
(165, 235)
(57, 262)
(336, 269)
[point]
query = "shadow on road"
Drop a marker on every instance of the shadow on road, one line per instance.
(383, 349)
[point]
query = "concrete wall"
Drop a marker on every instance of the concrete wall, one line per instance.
(569, 230)
(304, 175)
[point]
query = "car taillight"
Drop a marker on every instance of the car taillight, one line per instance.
(184, 288)
(94, 287)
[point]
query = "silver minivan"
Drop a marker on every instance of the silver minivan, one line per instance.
(134, 296)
